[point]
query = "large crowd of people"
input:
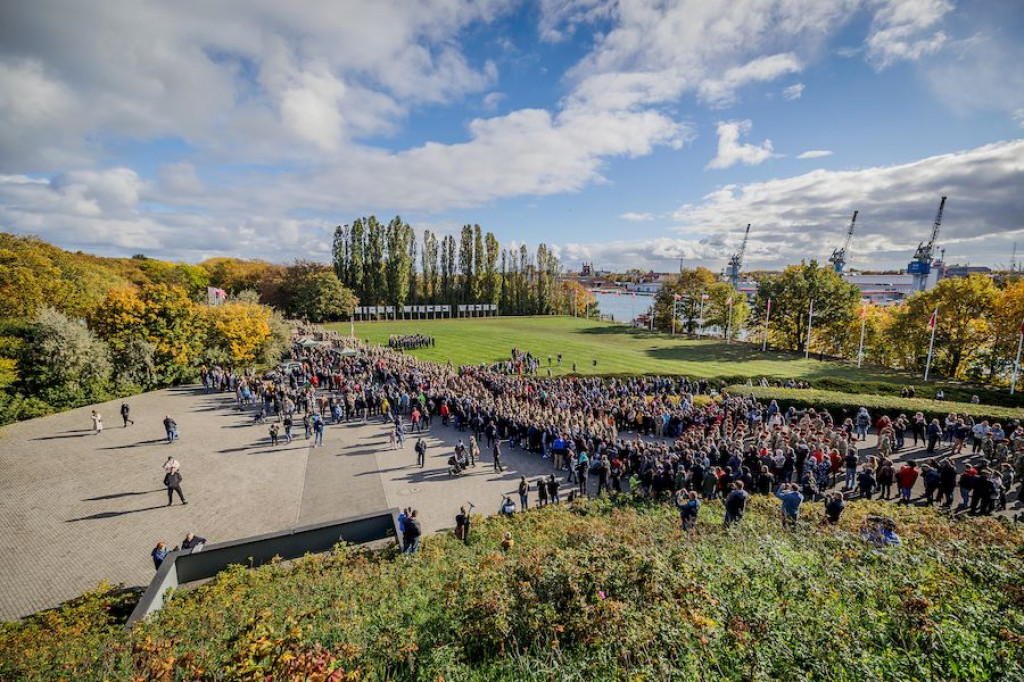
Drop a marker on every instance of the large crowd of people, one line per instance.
(650, 435)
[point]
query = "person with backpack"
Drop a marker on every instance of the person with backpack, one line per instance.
(413, 531)
(689, 507)
(834, 506)
(735, 504)
(421, 452)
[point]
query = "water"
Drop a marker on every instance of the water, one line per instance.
(624, 307)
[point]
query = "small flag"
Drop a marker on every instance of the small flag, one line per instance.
(729, 302)
(864, 310)
(1022, 327)
(704, 297)
(618, 293)
(676, 297)
(769, 305)
(934, 319)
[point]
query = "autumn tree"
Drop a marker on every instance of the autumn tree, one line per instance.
(792, 291)
(238, 332)
(689, 285)
(64, 363)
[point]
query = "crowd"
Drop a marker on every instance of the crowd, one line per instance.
(410, 341)
(655, 436)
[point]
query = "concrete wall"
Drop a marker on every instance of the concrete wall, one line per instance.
(180, 568)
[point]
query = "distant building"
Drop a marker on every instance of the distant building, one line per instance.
(965, 270)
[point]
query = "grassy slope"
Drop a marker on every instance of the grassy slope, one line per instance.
(617, 348)
(590, 592)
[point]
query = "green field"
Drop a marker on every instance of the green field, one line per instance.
(618, 349)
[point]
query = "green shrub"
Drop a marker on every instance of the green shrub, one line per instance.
(597, 590)
(842, 405)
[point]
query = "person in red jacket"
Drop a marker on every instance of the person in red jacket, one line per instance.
(906, 477)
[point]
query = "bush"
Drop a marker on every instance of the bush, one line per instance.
(591, 591)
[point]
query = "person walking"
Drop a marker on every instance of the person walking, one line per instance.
(542, 493)
(125, 412)
(318, 430)
(421, 452)
(172, 481)
(171, 427)
(524, 494)
(496, 453)
(97, 423)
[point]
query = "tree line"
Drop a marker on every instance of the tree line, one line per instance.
(385, 264)
(978, 321)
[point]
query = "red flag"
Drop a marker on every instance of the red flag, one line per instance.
(704, 297)
(769, 306)
(618, 293)
(1022, 327)
(676, 297)
(729, 302)
(864, 310)
(934, 319)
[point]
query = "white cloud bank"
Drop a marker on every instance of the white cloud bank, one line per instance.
(815, 154)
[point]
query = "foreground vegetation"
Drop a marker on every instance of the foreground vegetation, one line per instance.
(593, 591)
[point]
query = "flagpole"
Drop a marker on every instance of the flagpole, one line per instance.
(728, 323)
(1016, 363)
(863, 320)
(810, 321)
(931, 344)
(700, 331)
(767, 319)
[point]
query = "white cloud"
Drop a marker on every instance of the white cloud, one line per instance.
(637, 217)
(662, 253)
(794, 91)
(492, 100)
(815, 154)
(731, 152)
(805, 215)
(721, 92)
(1018, 116)
(903, 30)
(179, 179)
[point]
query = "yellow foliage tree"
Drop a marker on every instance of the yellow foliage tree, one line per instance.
(241, 330)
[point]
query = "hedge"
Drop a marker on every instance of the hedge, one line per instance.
(843, 405)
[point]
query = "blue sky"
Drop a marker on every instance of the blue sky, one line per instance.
(627, 132)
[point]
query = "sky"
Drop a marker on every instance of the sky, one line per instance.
(627, 133)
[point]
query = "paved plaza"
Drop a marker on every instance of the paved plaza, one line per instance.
(79, 508)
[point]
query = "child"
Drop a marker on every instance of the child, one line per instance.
(274, 430)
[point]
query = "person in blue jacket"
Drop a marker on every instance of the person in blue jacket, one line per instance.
(791, 501)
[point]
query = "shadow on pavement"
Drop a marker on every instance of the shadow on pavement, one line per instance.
(67, 434)
(135, 445)
(114, 496)
(113, 514)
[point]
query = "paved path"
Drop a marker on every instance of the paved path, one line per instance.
(78, 508)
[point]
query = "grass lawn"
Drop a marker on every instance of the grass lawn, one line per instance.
(617, 348)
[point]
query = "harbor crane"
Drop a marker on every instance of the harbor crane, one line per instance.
(736, 262)
(924, 257)
(838, 257)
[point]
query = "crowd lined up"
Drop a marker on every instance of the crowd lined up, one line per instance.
(410, 341)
